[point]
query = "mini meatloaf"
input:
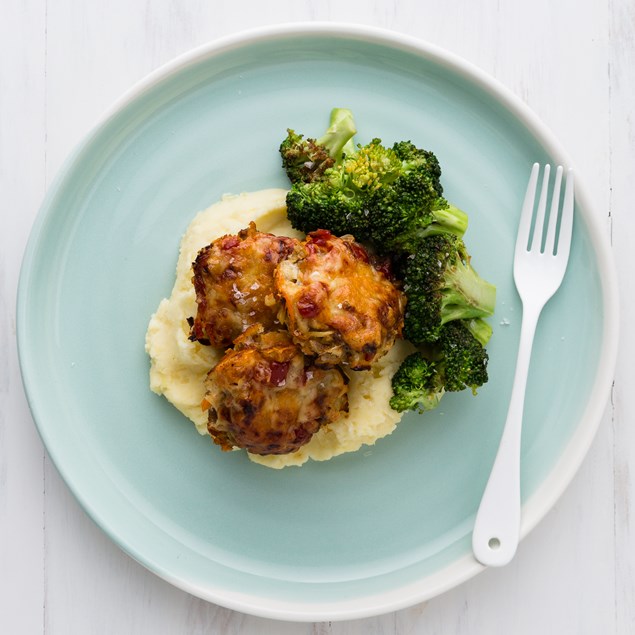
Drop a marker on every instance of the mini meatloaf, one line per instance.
(233, 280)
(337, 305)
(267, 397)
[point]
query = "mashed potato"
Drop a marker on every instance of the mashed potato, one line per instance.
(179, 366)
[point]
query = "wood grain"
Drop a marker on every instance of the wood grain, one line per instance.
(63, 63)
(622, 176)
(22, 185)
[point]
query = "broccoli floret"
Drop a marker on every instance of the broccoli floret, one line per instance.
(413, 157)
(305, 160)
(402, 218)
(464, 357)
(390, 196)
(441, 286)
(413, 207)
(370, 168)
(455, 362)
(417, 384)
(341, 199)
(328, 204)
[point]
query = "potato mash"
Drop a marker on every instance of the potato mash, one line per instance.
(179, 366)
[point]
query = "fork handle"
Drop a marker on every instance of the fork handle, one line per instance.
(497, 527)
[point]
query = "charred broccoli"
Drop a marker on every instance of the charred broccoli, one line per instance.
(305, 160)
(417, 384)
(458, 360)
(340, 199)
(441, 286)
(412, 207)
(390, 196)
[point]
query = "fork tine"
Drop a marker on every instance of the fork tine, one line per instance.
(536, 242)
(550, 242)
(527, 212)
(566, 224)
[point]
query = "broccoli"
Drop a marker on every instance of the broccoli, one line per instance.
(413, 206)
(441, 285)
(480, 329)
(305, 160)
(341, 199)
(389, 196)
(464, 357)
(417, 384)
(455, 362)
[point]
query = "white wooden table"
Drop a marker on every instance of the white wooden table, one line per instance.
(63, 62)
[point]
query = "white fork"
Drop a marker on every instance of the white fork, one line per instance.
(538, 273)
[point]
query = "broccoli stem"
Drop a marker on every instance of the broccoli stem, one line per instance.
(480, 330)
(449, 220)
(466, 295)
(338, 138)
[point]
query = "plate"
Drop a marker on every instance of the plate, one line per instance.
(364, 533)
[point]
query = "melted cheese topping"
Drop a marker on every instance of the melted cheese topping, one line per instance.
(338, 306)
(179, 366)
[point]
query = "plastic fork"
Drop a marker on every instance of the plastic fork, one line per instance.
(540, 261)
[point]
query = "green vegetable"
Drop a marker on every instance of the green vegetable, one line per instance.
(412, 207)
(390, 196)
(305, 160)
(417, 384)
(455, 362)
(441, 285)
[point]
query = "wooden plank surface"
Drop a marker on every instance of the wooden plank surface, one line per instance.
(63, 63)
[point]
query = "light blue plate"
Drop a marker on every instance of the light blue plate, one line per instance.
(363, 533)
